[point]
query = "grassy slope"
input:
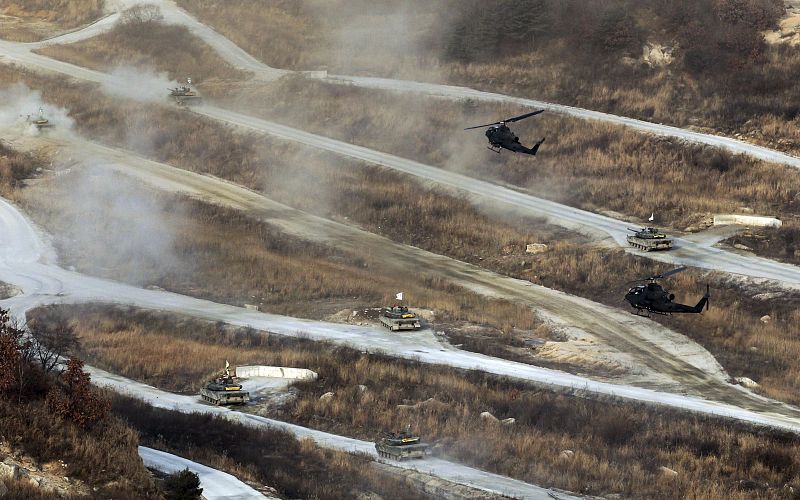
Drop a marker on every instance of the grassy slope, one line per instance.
(744, 87)
(618, 448)
(346, 189)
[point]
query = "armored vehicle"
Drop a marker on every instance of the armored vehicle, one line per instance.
(185, 95)
(399, 318)
(40, 122)
(401, 446)
(649, 238)
(224, 390)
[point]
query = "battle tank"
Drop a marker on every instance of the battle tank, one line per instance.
(399, 318)
(185, 95)
(40, 122)
(401, 446)
(224, 390)
(649, 238)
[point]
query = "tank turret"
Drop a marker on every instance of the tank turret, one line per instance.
(40, 122)
(399, 318)
(185, 95)
(649, 238)
(401, 446)
(224, 390)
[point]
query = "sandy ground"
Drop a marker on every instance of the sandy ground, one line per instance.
(216, 485)
(788, 31)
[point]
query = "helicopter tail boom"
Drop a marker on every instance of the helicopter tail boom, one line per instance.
(703, 302)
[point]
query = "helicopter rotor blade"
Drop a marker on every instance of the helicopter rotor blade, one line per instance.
(661, 276)
(522, 117)
(670, 273)
(508, 120)
(481, 126)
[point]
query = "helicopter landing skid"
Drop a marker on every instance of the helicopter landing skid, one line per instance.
(493, 149)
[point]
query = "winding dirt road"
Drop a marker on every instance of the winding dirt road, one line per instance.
(450, 471)
(217, 485)
(26, 261)
(240, 59)
(661, 350)
(687, 252)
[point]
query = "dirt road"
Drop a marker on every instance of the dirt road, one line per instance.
(686, 253)
(662, 358)
(217, 485)
(669, 361)
(450, 471)
(240, 59)
(43, 283)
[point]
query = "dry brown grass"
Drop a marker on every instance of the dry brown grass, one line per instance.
(31, 20)
(381, 201)
(618, 447)
(581, 163)
(754, 98)
(220, 254)
(265, 456)
(15, 167)
(105, 458)
(276, 32)
(167, 48)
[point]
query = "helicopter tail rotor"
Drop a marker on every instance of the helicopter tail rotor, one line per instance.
(703, 302)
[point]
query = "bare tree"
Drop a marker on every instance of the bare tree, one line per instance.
(54, 338)
(142, 14)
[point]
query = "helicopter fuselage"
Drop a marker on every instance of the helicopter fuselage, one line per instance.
(653, 298)
(500, 135)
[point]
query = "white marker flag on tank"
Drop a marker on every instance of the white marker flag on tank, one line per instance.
(399, 296)
(652, 217)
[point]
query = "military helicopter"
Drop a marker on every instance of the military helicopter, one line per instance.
(500, 136)
(652, 297)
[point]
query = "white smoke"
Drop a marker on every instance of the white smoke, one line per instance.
(138, 84)
(113, 226)
(19, 105)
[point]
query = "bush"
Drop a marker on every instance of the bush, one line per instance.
(76, 400)
(182, 485)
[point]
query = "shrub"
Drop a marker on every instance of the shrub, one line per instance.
(76, 400)
(182, 485)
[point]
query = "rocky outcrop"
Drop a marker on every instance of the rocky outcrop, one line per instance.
(747, 382)
(48, 477)
(535, 248)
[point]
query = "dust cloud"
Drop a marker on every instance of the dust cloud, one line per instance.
(138, 84)
(106, 224)
(393, 37)
(19, 105)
